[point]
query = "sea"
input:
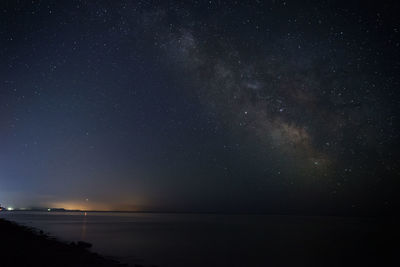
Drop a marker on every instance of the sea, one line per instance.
(178, 240)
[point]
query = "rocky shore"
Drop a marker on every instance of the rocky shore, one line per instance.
(24, 246)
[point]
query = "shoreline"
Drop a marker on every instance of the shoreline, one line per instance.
(337, 243)
(26, 246)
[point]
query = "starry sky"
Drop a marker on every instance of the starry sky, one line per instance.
(208, 106)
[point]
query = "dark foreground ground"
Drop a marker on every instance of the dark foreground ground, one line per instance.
(22, 246)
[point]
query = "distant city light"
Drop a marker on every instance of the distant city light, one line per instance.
(48, 209)
(10, 208)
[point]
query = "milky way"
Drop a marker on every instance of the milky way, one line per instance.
(311, 103)
(203, 106)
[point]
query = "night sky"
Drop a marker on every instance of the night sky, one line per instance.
(220, 106)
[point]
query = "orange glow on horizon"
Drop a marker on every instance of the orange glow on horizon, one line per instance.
(87, 206)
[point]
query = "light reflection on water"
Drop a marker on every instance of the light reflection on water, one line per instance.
(83, 235)
(202, 239)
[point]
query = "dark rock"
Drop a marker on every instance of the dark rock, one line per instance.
(83, 244)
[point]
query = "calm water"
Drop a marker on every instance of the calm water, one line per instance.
(213, 240)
